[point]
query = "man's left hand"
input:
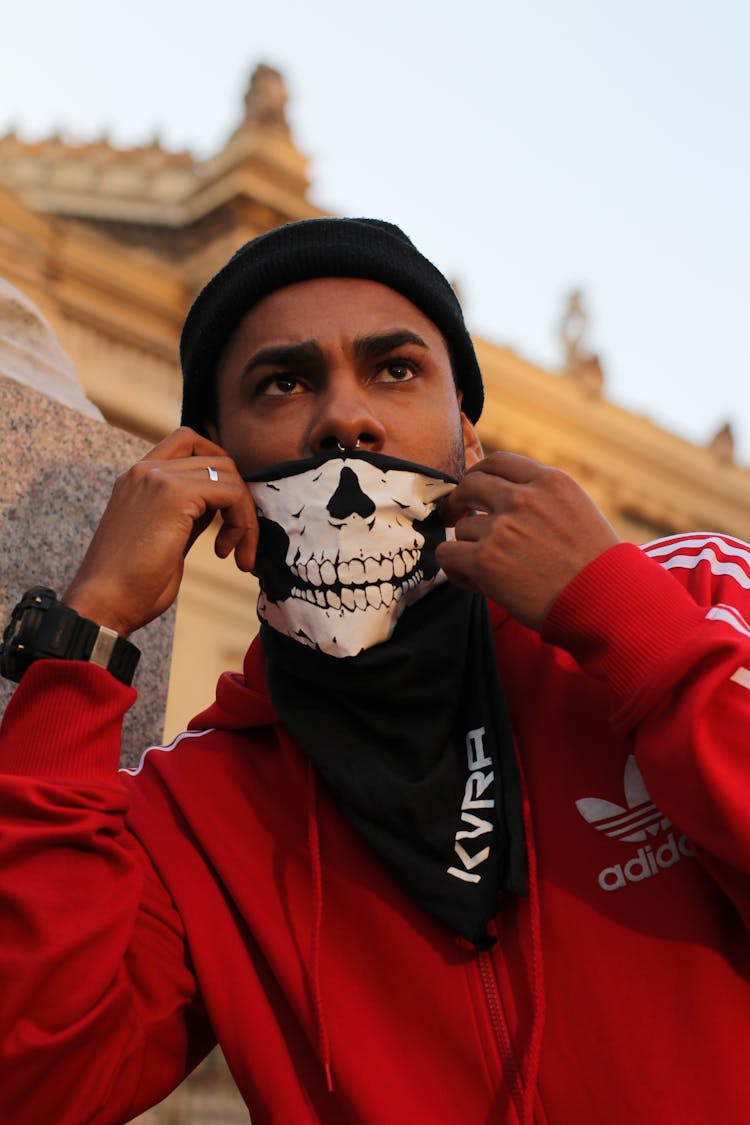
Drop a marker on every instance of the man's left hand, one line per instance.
(523, 531)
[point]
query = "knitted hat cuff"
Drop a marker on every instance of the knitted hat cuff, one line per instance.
(302, 251)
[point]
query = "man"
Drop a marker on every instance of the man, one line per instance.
(420, 863)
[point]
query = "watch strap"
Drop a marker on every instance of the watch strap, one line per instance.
(42, 627)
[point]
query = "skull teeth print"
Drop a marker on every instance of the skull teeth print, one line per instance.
(357, 597)
(356, 572)
(345, 546)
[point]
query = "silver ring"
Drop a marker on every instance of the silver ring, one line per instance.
(212, 474)
(342, 448)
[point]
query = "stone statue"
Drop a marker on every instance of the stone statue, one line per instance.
(573, 329)
(579, 363)
(722, 444)
(266, 99)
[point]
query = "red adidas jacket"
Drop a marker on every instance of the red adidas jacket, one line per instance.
(217, 893)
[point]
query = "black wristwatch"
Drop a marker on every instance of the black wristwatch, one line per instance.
(41, 627)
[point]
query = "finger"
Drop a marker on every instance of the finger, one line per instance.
(239, 528)
(199, 526)
(213, 479)
(195, 490)
(238, 532)
(472, 528)
(216, 469)
(208, 482)
(477, 492)
(242, 540)
(512, 466)
(184, 442)
(458, 561)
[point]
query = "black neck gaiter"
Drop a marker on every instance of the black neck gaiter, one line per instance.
(411, 734)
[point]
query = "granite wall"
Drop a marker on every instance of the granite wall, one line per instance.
(58, 467)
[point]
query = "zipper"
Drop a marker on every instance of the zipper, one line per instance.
(511, 1073)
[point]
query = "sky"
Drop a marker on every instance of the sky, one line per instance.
(528, 149)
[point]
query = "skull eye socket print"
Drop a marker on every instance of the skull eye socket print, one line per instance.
(347, 542)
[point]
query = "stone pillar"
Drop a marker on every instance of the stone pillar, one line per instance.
(59, 461)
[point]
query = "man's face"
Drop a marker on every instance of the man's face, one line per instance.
(338, 360)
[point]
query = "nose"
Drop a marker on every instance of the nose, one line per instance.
(344, 417)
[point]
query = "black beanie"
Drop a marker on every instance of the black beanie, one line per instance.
(312, 248)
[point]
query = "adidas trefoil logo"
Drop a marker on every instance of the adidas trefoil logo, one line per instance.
(637, 822)
(633, 824)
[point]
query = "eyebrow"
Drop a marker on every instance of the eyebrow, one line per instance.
(285, 355)
(309, 352)
(371, 347)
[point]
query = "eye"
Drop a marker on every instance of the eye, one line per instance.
(281, 386)
(397, 370)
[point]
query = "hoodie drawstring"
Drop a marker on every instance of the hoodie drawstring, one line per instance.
(313, 843)
(538, 995)
(537, 961)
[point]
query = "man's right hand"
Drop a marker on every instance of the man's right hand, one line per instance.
(133, 567)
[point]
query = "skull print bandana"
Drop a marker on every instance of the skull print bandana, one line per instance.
(347, 542)
(410, 731)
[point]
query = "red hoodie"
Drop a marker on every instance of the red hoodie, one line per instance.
(216, 892)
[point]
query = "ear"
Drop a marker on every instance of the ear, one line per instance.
(472, 445)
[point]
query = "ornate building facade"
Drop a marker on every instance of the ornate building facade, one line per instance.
(114, 244)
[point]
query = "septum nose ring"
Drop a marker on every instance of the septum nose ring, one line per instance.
(342, 448)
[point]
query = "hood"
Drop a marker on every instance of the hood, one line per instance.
(242, 699)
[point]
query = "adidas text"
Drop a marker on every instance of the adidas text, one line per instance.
(645, 863)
